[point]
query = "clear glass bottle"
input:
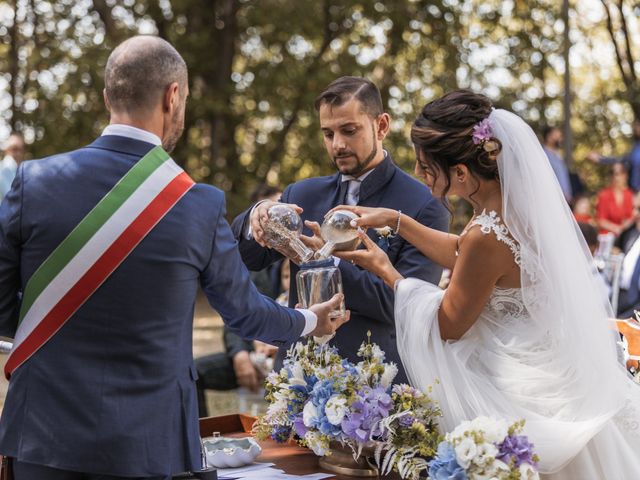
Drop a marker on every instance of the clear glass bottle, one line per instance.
(282, 233)
(317, 282)
(337, 232)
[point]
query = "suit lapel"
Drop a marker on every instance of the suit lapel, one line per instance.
(377, 180)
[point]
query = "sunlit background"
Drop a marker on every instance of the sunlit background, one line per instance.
(257, 65)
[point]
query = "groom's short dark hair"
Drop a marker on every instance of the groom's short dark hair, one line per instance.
(343, 89)
(139, 70)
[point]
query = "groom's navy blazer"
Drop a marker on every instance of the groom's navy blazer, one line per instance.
(366, 295)
(113, 392)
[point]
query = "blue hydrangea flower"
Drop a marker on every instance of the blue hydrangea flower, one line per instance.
(445, 466)
(281, 433)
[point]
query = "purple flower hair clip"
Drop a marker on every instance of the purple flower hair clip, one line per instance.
(482, 132)
(484, 138)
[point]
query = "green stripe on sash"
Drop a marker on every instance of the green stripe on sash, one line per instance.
(91, 223)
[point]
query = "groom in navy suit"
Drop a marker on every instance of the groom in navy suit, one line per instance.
(354, 126)
(112, 394)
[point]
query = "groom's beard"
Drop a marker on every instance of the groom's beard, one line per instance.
(360, 166)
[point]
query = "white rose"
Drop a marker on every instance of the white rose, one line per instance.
(527, 472)
(494, 429)
(336, 409)
(315, 444)
(465, 452)
(486, 452)
(390, 372)
(459, 431)
(496, 470)
(309, 414)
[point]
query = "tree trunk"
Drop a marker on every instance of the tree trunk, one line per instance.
(13, 65)
(223, 123)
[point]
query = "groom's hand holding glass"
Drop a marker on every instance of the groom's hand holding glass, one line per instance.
(260, 216)
(371, 257)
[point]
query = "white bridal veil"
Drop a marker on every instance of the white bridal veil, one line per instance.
(556, 365)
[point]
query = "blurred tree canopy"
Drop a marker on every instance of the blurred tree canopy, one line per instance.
(256, 66)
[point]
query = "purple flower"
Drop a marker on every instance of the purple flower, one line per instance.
(482, 131)
(299, 426)
(407, 420)
(372, 405)
(445, 466)
(516, 448)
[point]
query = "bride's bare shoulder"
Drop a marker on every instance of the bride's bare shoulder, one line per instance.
(487, 245)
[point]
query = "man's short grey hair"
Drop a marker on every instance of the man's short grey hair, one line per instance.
(138, 72)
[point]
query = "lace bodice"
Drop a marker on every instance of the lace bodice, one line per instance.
(507, 302)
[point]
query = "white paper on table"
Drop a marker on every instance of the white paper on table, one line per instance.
(262, 473)
(309, 476)
(240, 471)
(272, 474)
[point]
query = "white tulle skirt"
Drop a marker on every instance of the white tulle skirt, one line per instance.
(503, 367)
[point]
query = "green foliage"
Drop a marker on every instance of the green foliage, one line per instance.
(257, 66)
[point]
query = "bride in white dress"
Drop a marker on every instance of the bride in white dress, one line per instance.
(522, 331)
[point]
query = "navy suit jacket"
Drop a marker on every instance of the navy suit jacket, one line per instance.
(366, 295)
(113, 392)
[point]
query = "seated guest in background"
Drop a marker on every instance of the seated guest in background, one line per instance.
(582, 210)
(242, 363)
(614, 210)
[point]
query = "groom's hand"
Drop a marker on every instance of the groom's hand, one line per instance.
(260, 214)
(328, 322)
(316, 241)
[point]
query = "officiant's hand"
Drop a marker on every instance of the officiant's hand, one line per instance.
(327, 322)
(260, 214)
(370, 217)
(373, 259)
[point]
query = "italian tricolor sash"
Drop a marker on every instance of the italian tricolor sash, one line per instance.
(94, 249)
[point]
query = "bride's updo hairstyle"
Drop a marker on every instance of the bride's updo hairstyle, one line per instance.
(444, 133)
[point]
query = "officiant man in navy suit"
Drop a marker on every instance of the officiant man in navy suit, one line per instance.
(354, 126)
(111, 393)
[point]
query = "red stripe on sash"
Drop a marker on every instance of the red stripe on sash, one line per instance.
(99, 271)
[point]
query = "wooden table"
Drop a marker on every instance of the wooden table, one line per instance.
(290, 457)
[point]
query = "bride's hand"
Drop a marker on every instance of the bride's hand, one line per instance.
(370, 217)
(373, 259)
